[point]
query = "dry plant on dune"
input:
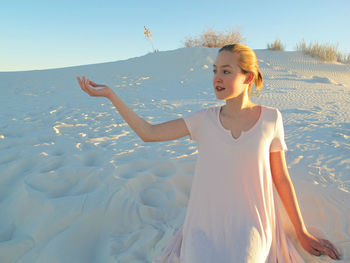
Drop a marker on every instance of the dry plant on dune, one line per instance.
(277, 45)
(148, 35)
(326, 52)
(210, 38)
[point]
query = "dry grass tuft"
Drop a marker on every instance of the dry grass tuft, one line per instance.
(326, 52)
(149, 36)
(212, 39)
(277, 45)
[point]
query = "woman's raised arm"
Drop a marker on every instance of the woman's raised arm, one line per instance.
(165, 131)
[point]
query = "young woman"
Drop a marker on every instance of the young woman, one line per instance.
(232, 214)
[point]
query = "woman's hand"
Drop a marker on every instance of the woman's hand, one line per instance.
(317, 247)
(85, 86)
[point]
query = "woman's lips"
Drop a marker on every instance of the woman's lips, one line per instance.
(219, 88)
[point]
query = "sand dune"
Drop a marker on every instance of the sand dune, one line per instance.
(78, 185)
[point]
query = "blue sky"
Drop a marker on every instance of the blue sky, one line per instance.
(51, 34)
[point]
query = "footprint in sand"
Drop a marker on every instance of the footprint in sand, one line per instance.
(158, 195)
(137, 244)
(130, 169)
(63, 182)
(51, 163)
(318, 79)
(9, 157)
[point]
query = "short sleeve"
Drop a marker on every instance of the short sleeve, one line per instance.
(193, 122)
(278, 143)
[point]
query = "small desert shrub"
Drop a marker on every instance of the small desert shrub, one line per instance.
(277, 45)
(212, 39)
(149, 36)
(326, 52)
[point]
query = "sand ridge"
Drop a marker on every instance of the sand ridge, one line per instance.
(78, 185)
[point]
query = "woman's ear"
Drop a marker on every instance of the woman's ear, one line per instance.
(249, 78)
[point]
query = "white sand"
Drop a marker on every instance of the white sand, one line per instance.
(78, 185)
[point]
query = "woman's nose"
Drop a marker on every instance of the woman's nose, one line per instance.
(217, 78)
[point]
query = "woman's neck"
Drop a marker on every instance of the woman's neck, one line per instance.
(239, 105)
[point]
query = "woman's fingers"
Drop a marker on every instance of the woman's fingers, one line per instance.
(81, 83)
(315, 252)
(84, 86)
(85, 82)
(331, 253)
(87, 86)
(95, 84)
(331, 248)
(317, 246)
(327, 247)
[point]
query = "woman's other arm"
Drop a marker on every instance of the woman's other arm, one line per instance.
(287, 194)
(165, 131)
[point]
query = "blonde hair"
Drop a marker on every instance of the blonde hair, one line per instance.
(248, 63)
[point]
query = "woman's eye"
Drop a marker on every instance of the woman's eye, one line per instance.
(225, 71)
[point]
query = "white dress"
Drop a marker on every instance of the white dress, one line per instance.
(232, 214)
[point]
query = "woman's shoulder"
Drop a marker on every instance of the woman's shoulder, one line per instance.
(270, 108)
(196, 114)
(271, 113)
(205, 110)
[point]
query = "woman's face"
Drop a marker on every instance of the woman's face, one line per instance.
(228, 79)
